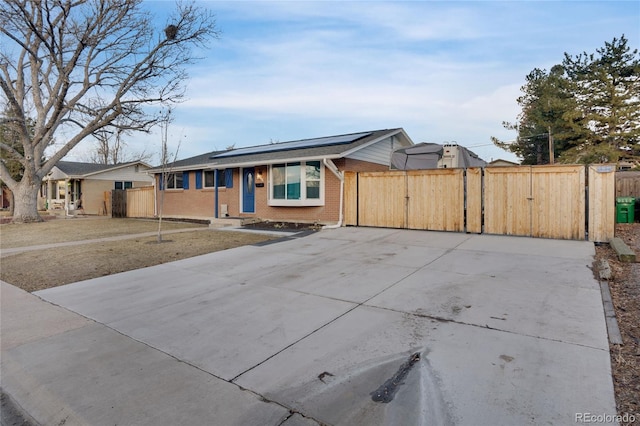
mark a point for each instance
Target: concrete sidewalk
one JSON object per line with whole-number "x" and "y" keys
{"x": 15, "y": 250}
{"x": 349, "y": 326}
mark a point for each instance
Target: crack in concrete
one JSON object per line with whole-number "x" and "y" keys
{"x": 486, "y": 326}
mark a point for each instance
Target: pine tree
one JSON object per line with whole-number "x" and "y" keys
{"x": 607, "y": 86}
{"x": 590, "y": 105}
{"x": 547, "y": 103}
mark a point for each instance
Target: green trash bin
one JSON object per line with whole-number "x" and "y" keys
{"x": 625, "y": 209}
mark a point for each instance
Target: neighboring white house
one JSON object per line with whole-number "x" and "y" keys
{"x": 71, "y": 185}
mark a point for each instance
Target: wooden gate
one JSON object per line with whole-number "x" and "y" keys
{"x": 435, "y": 200}
{"x": 381, "y": 199}
{"x": 535, "y": 201}
{"x": 141, "y": 202}
{"x": 118, "y": 203}
{"x": 420, "y": 199}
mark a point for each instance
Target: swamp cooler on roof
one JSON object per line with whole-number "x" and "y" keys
{"x": 434, "y": 156}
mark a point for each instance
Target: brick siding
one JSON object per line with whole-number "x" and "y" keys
{"x": 200, "y": 203}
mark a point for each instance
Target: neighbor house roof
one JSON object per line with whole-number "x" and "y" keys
{"x": 329, "y": 147}
{"x": 78, "y": 170}
{"x": 501, "y": 162}
{"x": 191, "y": 161}
{"x": 427, "y": 155}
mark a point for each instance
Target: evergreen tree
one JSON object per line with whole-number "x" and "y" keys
{"x": 590, "y": 105}
{"x": 607, "y": 85}
{"x": 547, "y": 103}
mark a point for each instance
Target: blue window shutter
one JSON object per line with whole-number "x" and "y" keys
{"x": 228, "y": 178}
{"x": 199, "y": 174}
{"x": 161, "y": 179}
{"x": 185, "y": 180}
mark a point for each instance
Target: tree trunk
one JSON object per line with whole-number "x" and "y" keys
{"x": 25, "y": 199}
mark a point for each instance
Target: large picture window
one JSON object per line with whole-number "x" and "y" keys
{"x": 296, "y": 184}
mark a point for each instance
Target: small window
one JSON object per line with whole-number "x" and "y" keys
{"x": 313, "y": 179}
{"x": 123, "y": 184}
{"x": 174, "y": 181}
{"x": 209, "y": 176}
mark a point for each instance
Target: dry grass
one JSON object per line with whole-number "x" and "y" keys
{"x": 40, "y": 269}
{"x": 75, "y": 229}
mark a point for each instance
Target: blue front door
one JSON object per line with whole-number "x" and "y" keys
{"x": 248, "y": 190}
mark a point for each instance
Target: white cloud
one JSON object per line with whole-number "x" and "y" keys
{"x": 442, "y": 70}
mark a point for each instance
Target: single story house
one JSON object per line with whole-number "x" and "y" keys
{"x": 290, "y": 181}
{"x": 73, "y": 185}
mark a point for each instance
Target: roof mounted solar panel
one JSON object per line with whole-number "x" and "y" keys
{"x": 300, "y": 144}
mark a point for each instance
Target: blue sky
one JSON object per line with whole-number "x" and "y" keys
{"x": 443, "y": 70}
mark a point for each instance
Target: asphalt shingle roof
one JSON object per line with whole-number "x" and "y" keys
{"x": 74, "y": 168}
{"x": 283, "y": 153}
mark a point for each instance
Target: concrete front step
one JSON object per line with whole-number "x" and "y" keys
{"x": 231, "y": 222}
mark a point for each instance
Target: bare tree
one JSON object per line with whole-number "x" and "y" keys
{"x": 111, "y": 148}
{"x": 167, "y": 162}
{"x": 75, "y": 67}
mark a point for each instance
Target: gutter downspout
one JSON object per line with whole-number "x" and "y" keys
{"x": 340, "y": 175}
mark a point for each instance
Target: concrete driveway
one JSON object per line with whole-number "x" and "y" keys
{"x": 350, "y": 326}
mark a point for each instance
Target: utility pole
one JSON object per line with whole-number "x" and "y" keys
{"x": 551, "y": 147}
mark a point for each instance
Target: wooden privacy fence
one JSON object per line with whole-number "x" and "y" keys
{"x": 536, "y": 201}
{"x": 133, "y": 202}
{"x": 628, "y": 184}
{"x": 141, "y": 202}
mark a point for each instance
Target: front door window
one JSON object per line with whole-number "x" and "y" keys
{"x": 248, "y": 189}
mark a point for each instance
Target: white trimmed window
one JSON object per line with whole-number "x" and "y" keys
{"x": 175, "y": 180}
{"x": 297, "y": 184}
{"x": 209, "y": 178}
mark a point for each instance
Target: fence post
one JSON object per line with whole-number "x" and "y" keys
{"x": 351, "y": 198}
{"x": 474, "y": 197}
{"x": 602, "y": 187}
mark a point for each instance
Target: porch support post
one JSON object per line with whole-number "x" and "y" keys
{"x": 49, "y": 193}
{"x": 215, "y": 185}
{"x": 67, "y": 195}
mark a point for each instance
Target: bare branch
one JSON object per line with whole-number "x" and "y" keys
{"x": 76, "y": 67}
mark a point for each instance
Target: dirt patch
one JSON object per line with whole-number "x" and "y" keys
{"x": 625, "y": 293}
{"x": 283, "y": 226}
{"x": 41, "y": 269}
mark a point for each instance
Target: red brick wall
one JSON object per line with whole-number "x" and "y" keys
{"x": 199, "y": 203}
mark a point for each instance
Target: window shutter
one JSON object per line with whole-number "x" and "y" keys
{"x": 185, "y": 180}
{"x": 161, "y": 180}
{"x": 199, "y": 174}
{"x": 228, "y": 178}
